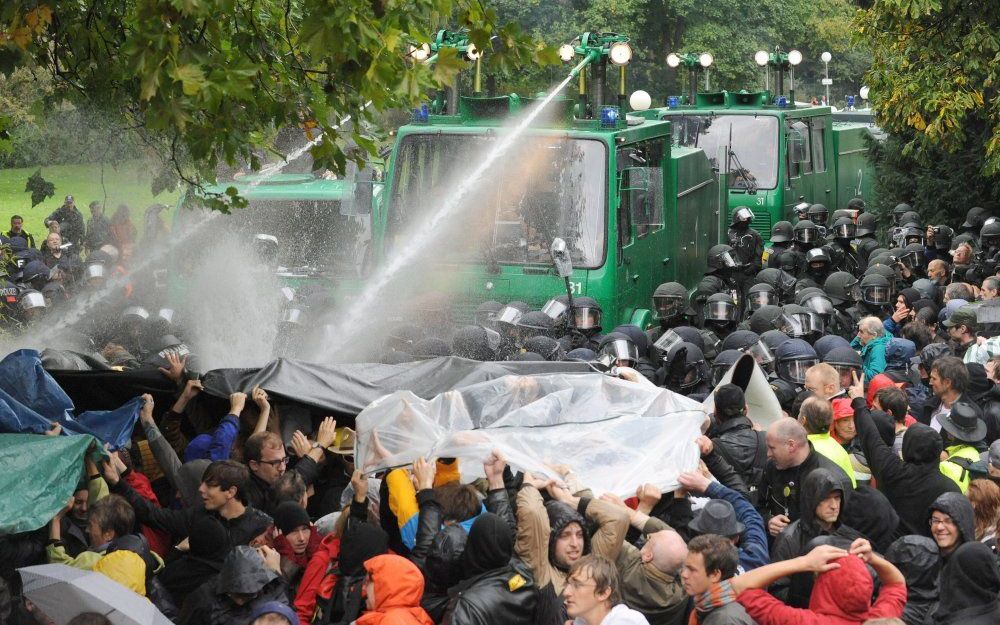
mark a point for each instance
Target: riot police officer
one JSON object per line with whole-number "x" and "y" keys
{"x": 793, "y": 358}
{"x": 843, "y": 255}
{"x": 866, "y": 241}
{"x": 720, "y": 277}
{"x": 721, "y": 314}
{"x": 876, "y": 295}
{"x": 844, "y": 292}
{"x": 781, "y": 240}
{"x": 747, "y": 245}
{"x": 818, "y": 214}
{"x": 818, "y": 265}
{"x": 974, "y": 220}
{"x": 670, "y": 302}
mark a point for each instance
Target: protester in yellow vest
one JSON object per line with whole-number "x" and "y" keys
{"x": 963, "y": 431}
{"x": 816, "y": 415}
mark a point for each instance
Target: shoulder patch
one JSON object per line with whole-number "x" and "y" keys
{"x": 515, "y": 583}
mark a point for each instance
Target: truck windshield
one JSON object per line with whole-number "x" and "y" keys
{"x": 547, "y": 187}
{"x": 754, "y": 140}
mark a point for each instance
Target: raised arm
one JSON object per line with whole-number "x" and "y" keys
{"x": 885, "y": 464}
{"x": 532, "y": 543}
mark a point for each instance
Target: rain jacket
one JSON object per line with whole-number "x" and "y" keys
{"x": 839, "y": 597}
{"x": 969, "y": 586}
{"x": 958, "y": 507}
{"x": 912, "y": 482}
{"x": 126, "y": 568}
{"x": 398, "y": 588}
{"x": 918, "y": 560}
{"x": 792, "y": 541}
{"x": 504, "y": 596}
{"x": 244, "y": 573}
{"x": 872, "y": 355}
{"x": 659, "y": 596}
{"x": 743, "y": 448}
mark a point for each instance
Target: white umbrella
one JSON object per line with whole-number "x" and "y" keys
{"x": 62, "y": 592}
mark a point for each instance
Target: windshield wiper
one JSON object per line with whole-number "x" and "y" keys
{"x": 749, "y": 182}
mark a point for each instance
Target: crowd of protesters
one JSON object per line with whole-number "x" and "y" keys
{"x": 874, "y": 497}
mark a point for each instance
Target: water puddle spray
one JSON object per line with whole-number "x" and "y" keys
{"x": 362, "y": 312}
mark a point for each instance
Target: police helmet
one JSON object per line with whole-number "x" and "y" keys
{"x": 975, "y": 218}
{"x": 774, "y": 338}
{"x": 486, "y": 313}
{"x": 885, "y": 271}
{"x": 913, "y": 256}
{"x": 720, "y": 307}
{"x": 509, "y": 315}
{"x": 794, "y": 357}
{"x": 766, "y": 318}
{"x": 913, "y": 234}
{"x": 825, "y": 344}
{"x": 856, "y": 204}
{"x": 943, "y": 236}
{"x": 844, "y": 228}
{"x": 742, "y": 215}
{"x": 556, "y": 308}
{"x": 94, "y": 272}
{"x": 534, "y": 323}
{"x": 779, "y": 279}
{"x": 135, "y": 313}
{"x": 900, "y": 209}
{"x": 989, "y": 235}
{"x": 722, "y": 363}
{"x": 805, "y": 231}
{"x": 693, "y": 365}
{"x": 910, "y": 219}
{"x": 586, "y": 313}
{"x": 867, "y": 224}
{"x": 761, "y": 294}
{"x": 721, "y": 257}
{"x": 31, "y": 300}
{"x": 748, "y": 341}
{"x": 818, "y": 214}
{"x": 801, "y": 210}
{"x": 670, "y": 300}
{"x": 620, "y": 348}
{"x": 546, "y": 346}
{"x": 781, "y": 232}
{"x": 817, "y": 301}
{"x": 876, "y": 290}
{"x": 801, "y": 322}
{"x": 842, "y": 288}
{"x": 817, "y": 255}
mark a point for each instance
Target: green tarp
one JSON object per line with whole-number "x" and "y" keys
{"x": 38, "y": 474}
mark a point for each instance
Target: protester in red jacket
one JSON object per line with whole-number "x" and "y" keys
{"x": 841, "y": 595}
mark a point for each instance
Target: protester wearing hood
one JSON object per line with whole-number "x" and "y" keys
{"x": 911, "y": 483}
{"x": 822, "y": 500}
{"x": 550, "y": 537}
{"x": 970, "y": 583}
{"x": 903, "y": 312}
{"x": 497, "y": 589}
{"x": 393, "y": 589}
{"x": 952, "y": 522}
{"x": 207, "y": 550}
{"x": 918, "y": 560}
{"x": 842, "y": 592}
{"x": 331, "y": 590}
{"x": 985, "y": 394}
{"x": 245, "y": 581}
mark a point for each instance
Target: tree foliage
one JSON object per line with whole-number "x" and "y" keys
{"x": 208, "y": 82}
{"x": 935, "y": 69}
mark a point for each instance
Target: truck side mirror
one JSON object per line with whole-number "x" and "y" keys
{"x": 560, "y": 258}
{"x": 363, "y": 192}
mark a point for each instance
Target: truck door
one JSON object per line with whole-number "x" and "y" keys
{"x": 628, "y": 270}
{"x": 641, "y": 190}
{"x": 824, "y": 176}
{"x": 798, "y": 164}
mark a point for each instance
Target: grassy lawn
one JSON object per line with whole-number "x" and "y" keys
{"x": 129, "y": 184}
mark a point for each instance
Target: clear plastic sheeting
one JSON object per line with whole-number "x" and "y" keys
{"x": 613, "y": 434}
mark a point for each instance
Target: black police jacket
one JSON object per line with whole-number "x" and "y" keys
{"x": 506, "y": 595}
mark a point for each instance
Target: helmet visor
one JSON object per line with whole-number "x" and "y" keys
{"x": 743, "y": 214}
{"x": 877, "y": 295}
{"x": 621, "y": 350}
{"x": 587, "y": 318}
{"x": 667, "y": 340}
{"x": 846, "y": 373}
{"x": 911, "y": 260}
{"x": 486, "y": 318}
{"x": 719, "y": 372}
{"x": 33, "y": 299}
{"x": 668, "y": 305}
{"x": 726, "y": 260}
{"x": 508, "y": 315}
{"x": 819, "y": 305}
{"x": 786, "y": 281}
{"x": 94, "y": 271}
{"x": 845, "y": 231}
{"x": 291, "y": 316}
{"x": 805, "y": 235}
{"x": 795, "y": 370}
{"x": 760, "y": 298}
{"x": 554, "y": 308}
{"x": 761, "y": 353}
{"x": 720, "y": 311}
{"x": 692, "y": 377}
